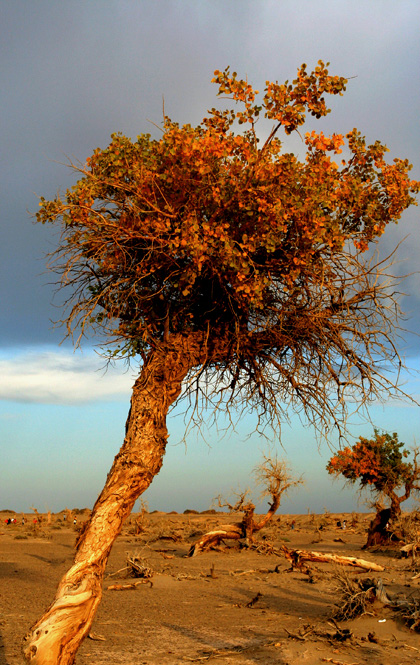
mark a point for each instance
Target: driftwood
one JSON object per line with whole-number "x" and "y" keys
{"x": 296, "y": 557}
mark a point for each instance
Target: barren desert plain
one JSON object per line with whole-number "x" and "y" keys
{"x": 232, "y": 604}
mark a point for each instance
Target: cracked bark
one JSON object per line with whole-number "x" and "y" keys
{"x": 56, "y": 637}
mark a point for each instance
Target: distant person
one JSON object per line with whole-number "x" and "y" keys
{"x": 343, "y": 526}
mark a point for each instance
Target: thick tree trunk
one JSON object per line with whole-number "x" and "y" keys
{"x": 55, "y": 638}
{"x": 378, "y": 533}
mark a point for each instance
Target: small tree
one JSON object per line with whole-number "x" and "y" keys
{"x": 232, "y": 271}
{"x": 380, "y": 464}
{"x": 275, "y": 479}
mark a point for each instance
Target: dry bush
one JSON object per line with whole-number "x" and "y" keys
{"x": 354, "y": 522}
{"x": 409, "y": 611}
{"x": 357, "y": 596}
{"x": 142, "y": 521}
{"x": 39, "y": 516}
{"x": 138, "y": 567}
{"x": 407, "y": 529}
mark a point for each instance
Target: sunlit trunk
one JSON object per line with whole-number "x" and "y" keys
{"x": 56, "y": 637}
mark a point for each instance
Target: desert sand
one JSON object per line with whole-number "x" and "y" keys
{"x": 231, "y": 605}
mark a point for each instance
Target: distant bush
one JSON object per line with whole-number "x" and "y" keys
{"x": 191, "y": 512}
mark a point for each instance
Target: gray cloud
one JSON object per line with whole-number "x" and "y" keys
{"x": 72, "y": 73}
{"x": 50, "y": 377}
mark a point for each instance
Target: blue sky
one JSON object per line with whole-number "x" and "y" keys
{"x": 71, "y": 74}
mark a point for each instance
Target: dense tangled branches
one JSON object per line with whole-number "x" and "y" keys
{"x": 254, "y": 254}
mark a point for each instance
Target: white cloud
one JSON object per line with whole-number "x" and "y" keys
{"x": 52, "y": 377}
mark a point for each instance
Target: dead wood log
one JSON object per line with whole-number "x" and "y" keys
{"x": 215, "y": 537}
{"x": 297, "y": 556}
{"x": 410, "y": 548}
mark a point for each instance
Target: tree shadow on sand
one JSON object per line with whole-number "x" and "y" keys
{"x": 209, "y": 646}
{"x": 3, "y": 659}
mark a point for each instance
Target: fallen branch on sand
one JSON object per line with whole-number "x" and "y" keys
{"x": 336, "y": 662}
{"x": 296, "y": 557}
{"x": 95, "y": 636}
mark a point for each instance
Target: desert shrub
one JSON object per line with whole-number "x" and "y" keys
{"x": 409, "y": 611}
{"x": 356, "y": 596}
{"x": 137, "y": 566}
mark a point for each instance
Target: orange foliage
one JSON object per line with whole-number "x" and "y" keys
{"x": 206, "y": 231}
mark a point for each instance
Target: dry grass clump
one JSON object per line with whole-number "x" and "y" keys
{"x": 142, "y": 520}
{"x": 409, "y": 611}
{"x": 136, "y": 566}
{"x": 357, "y": 596}
{"x": 407, "y": 529}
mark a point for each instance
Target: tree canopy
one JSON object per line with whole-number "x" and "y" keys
{"x": 379, "y": 463}
{"x": 233, "y": 268}
{"x": 211, "y": 233}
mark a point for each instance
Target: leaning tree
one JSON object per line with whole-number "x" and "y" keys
{"x": 236, "y": 273}
{"x": 382, "y": 465}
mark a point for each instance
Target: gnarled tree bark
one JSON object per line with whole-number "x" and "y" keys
{"x": 56, "y": 637}
{"x": 237, "y": 531}
{"x": 274, "y": 476}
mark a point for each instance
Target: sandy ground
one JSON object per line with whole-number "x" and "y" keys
{"x": 198, "y": 609}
